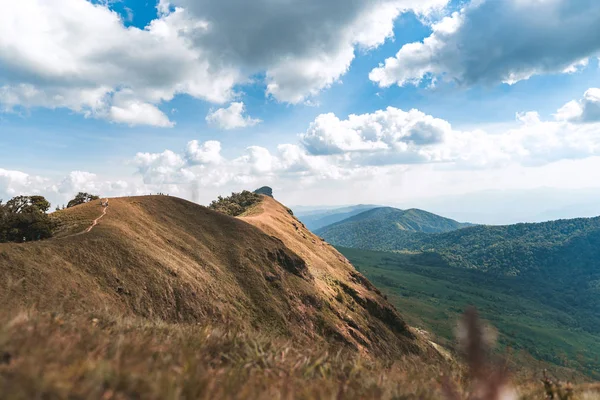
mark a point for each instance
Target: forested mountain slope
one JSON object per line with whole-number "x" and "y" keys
{"x": 386, "y": 228}
{"x": 320, "y": 218}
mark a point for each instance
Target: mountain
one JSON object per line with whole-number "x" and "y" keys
{"x": 161, "y": 284}
{"x": 543, "y": 280}
{"x": 539, "y": 317}
{"x": 386, "y": 228}
{"x": 158, "y": 297}
{"x": 316, "y": 219}
{"x": 163, "y": 257}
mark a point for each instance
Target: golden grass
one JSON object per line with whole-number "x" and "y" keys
{"x": 165, "y": 299}
{"x": 102, "y": 357}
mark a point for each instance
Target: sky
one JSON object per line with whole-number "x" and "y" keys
{"x": 461, "y": 107}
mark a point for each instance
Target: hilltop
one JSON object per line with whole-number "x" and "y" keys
{"x": 386, "y": 228}
{"x": 161, "y": 267}
{"x": 163, "y": 257}
{"x": 157, "y": 297}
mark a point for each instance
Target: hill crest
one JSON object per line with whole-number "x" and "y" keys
{"x": 377, "y": 227}
{"x": 165, "y": 258}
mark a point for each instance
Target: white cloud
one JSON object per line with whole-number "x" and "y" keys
{"x": 393, "y": 136}
{"x": 162, "y": 168}
{"x": 60, "y": 191}
{"x": 136, "y": 113}
{"x": 499, "y": 41}
{"x": 82, "y": 181}
{"x": 52, "y": 57}
{"x": 373, "y": 144}
{"x": 14, "y": 183}
{"x": 390, "y": 130}
{"x": 231, "y": 118}
{"x": 206, "y": 153}
{"x": 585, "y": 110}
{"x": 303, "y": 46}
{"x": 79, "y": 55}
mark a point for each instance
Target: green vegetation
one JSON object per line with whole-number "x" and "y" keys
{"x": 551, "y": 317}
{"x": 24, "y": 218}
{"x": 82, "y": 198}
{"x": 236, "y": 204}
{"x": 386, "y": 228}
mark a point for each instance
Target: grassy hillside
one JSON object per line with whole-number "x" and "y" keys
{"x": 124, "y": 308}
{"x": 386, "y": 228}
{"x": 533, "y": 314}
{"x": 320, "y": 218}
{"x": 166, "y": 258}
{"x": 165, "y": 299}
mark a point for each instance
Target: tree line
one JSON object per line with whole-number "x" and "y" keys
{"x": 25, "y": 218}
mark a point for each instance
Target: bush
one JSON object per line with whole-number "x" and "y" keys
{"x": 236, "y": 204}
{"x": 82, "y": 198}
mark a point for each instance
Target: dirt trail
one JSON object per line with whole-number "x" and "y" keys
{"x": 104, "y": 209}
{"x": 88, "y": 229}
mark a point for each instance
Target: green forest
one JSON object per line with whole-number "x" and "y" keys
{"x": 549, "y": 314}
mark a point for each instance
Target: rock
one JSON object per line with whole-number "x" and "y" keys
{"x": 267, "y": 191}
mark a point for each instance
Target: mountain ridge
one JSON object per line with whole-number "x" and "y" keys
{"x": 320, "y": 218}
{"x": 167, "y": 258}
{"x": 378, "y": 226}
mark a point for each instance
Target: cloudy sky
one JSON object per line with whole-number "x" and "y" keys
{"x": 401, "y": 102}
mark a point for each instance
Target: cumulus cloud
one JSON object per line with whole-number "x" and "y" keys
{"x": 585, "y": 110}
{"x": 370, "y": 144}
{"x": 208, "y": 152}
{"x": 492, "y": 41}
{"x": 202, "y": 163}
{"x": 386, "y": 130}
{"x": 51, "y": 56}
{"x": 163, "y": 168}
{"x": 372, "y": 147}
{"x": 393, "y": 136}
{"x": 231, "y": 118}
{"x": 303, "y": 46}
{"x": 14, "y": 183}
{"x": 59, "y": 191}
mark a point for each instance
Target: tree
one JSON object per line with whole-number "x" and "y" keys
{"x": 82, "y": 198}
{"x": 22, "y": 204}
{"x": 25, "y": 217}
{"x": 236, "y": 204}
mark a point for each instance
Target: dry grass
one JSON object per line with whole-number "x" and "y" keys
{"x": 92, "y": 356}
{"x": 168, "y": 300}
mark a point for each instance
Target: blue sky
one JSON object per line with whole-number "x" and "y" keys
{"x": 329, "y": 102}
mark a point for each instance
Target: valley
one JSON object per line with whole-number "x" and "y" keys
{"x": 537, "y": 283}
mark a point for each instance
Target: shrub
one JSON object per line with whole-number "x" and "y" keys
{"x": 82, "y": 198}
{"x": 236, "y": 204}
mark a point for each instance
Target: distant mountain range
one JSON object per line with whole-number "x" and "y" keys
{"x": 319, "y": 218}
{"x": 386, "y": 228}
{"x": 540, "y": 281}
